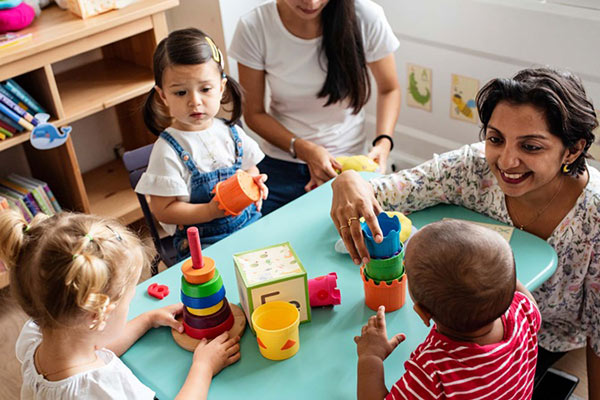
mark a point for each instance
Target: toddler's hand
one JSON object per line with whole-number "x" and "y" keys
{"x": 264, "y": 190}
{"x": 373, "y": 340}
{"x": 166, "y": 317}
{"x": 216, "y": 212}
{"x": 221, "y": 352}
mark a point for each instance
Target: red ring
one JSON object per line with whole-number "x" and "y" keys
{"x": 209, "y": 333}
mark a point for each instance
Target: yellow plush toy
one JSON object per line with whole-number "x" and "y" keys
{"x": 357, "y": 163}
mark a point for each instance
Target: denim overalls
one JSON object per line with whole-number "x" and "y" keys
{"x": 202, "y": 185}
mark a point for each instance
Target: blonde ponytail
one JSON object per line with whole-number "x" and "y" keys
{"x": 13, "y": 229}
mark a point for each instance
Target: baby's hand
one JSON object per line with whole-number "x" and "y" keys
{"x": 216, "y": 212}
{"x": 166, "y": 317}
{"x": 264, "y": 190}
{"x": 373, "y": 340}
{"x": 221, "y": 352}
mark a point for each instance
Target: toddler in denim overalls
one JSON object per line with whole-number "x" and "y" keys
{"x": 195, "y": 150}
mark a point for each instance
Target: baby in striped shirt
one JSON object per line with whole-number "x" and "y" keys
{"x": 483, "y": 343}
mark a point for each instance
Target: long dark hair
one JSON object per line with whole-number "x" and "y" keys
{"x": 347, "y": 76}
{"x": 186, "y": 47}
{"x": 559, "y": 94}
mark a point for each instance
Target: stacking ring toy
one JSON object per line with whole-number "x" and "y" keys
{"x": 203, "y": 290}
{"x": 203, "y": 302}
{"x": 209, "y": 321}
{"x": 206, "y": 311}
{"x": 209, "y": 333}
{"x": 200, "y": 275}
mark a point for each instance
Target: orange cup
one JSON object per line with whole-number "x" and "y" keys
{"x": 391, "y": 295}
{"x": 236, "y": 193}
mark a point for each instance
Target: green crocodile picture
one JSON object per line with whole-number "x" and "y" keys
{"x": 413, "y": 89}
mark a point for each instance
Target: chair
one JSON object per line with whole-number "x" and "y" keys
{"x": 136, "y": 162}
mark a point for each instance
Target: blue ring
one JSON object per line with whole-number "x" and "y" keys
{"x": 203, "y": 302}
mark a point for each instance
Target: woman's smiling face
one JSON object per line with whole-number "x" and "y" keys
{"x": 522, "y": 153}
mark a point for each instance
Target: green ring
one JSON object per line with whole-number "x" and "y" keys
{"x": 384, "y": 269}
{"x": 204, "y": 289}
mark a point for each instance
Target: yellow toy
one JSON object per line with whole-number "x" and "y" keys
{"x": 357, "y": 163}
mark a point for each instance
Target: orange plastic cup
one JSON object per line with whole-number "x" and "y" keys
{"x": 391, "y": 295}
{"x": 236, "y": 193}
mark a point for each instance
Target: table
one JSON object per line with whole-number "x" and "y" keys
{"x": 325, "y": 366}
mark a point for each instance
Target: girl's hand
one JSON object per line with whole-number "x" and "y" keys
{"x": 353, "y": 197}
{"x": 221, "y": 352}
{"x": 321, "y": 164}
{"x": 264, "y": 190}
{"x": 166, "y": 317}
{"x": 215, "y": 211}
{"x": 373, "y": 341}
{"x": 380, "y": 154}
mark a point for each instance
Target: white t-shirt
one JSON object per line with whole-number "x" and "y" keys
{"x": 112, "y": 381}
{"x": 210, "y": 149}
{"x": 295, "y": 75}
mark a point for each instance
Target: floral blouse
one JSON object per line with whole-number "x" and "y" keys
{"x": 569, "y": 300}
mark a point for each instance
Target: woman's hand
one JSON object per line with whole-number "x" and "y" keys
{"x": 219, "y": 353}
{"x": 264, "y": 190}
{"x": 321, "y": 164}
{"x": 353, "y": 197}
{"x": 380, "y": 154}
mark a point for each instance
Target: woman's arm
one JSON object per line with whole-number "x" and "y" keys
{"x": 322, "y": 165}
{"x": 169, "y": 210}
{"x": 388, "y": 106}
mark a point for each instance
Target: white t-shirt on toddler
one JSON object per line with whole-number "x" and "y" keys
{"x": 112, "y": 381}
{"x": 295, "y": 71}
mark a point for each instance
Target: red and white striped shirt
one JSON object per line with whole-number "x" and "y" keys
{"x": 441, "y": 368}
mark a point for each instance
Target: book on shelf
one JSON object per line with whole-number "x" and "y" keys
{"x": 15, "y": 117}
{"x": 13, "y": 98}
{"x": 13, "y": 87}
{"x": 9, "y": 39}
{"x": 37, "y": 191}
{"x": 4, "y": 119}
{"x": 7, "y": 127}
{"x": 16, "y": 202}
{"x": 27, "y": 196}
{"x": 5, "y": 132}
{"x": 48, "y": 193}
{"x": 7, "y": 101}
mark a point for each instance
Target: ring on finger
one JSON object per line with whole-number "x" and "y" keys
{"x": 342, "y": 227}
{"x": 350, "y": 221}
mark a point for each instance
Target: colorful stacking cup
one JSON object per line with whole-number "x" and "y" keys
{"x": 207, "y": 321}
{"x": 390, "y": 294}
{"x": 209, "y": 333}
{"x": 390, "y": 227}
{"x": 385, "y": 269}
{"x": 204, "y": 289}
{"x": 203, "y": 302}
{"x": 276, "y": 325}
{"x": 236, "y": 193}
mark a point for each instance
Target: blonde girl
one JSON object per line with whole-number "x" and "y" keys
{"x": 75, "y": 276}
{"x": 195, "y": 150}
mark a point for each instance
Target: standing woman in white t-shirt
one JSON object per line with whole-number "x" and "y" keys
{"x": 314, "y": 54}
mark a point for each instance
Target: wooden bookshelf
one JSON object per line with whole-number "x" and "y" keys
{"x": 125, "y": 40}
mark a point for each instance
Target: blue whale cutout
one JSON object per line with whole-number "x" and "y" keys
{"x": 46, "y": 136}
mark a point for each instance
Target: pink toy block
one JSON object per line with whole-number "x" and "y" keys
{"x": 322, "y": 291}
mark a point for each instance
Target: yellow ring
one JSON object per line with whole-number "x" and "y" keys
{"x": 206, "y": 311}
{"x": 350, "y": 221}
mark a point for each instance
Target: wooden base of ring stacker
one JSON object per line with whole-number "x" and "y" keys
{"x": 239, "y": 325}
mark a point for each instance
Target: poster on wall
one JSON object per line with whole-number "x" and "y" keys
{"x": 462, "y": 98}
{"x": 594, "y": 150}
{"x": 418, "y": 87}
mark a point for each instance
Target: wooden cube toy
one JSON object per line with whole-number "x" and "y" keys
{"x": 271, "y": 273}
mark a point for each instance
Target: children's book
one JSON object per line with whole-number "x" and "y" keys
{"x": 12, "y": 39}
{"x": 49, "y": 194}
{"x": 10, "y": 122}
{"x": 13, "y": 98}
{"x": 28, "y": 197}
{"x": 36, "y": 191}
{"x": 18, "y": 200}
{"x": 7, "y": 127}
{"x": 17, "y": 110}
{"x": 14, "y": 88}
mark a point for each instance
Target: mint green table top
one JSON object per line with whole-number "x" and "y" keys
{"x": 325, "y": 366}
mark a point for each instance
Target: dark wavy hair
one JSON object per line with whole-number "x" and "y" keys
{"x": 347, "y": 75}
{"x": 185, "y": 47}
{"x": 559, "y": 94}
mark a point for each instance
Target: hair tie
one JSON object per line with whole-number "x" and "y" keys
{"x": 27, "y": 228}
{"x": 75, "y": 256}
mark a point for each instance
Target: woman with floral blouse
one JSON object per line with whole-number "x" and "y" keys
{"x": 530, "y": 172}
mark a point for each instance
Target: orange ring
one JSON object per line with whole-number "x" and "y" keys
{"x": 201, "y": 275}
